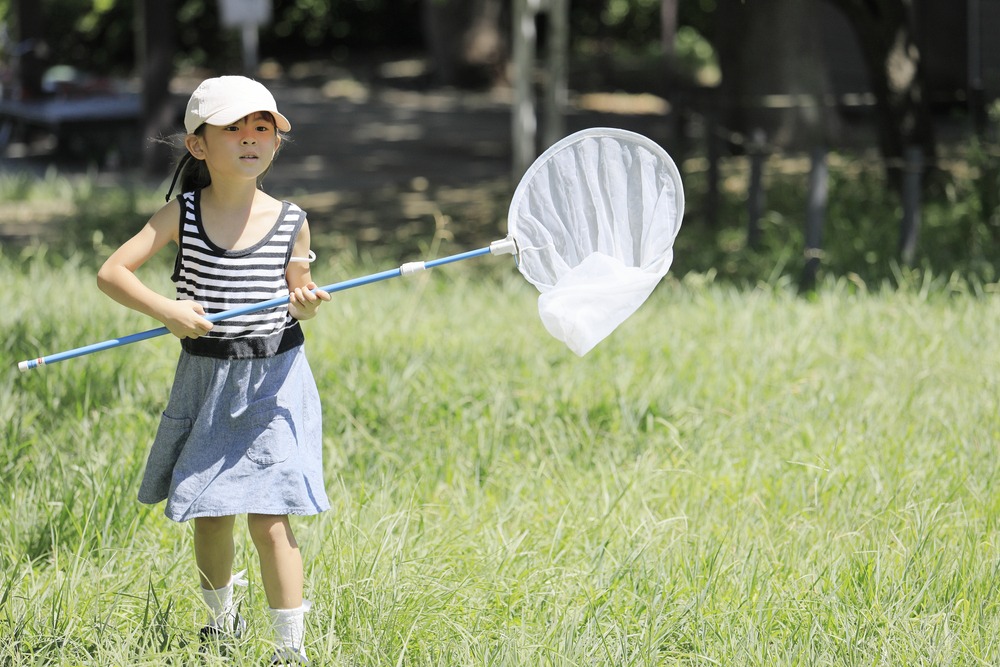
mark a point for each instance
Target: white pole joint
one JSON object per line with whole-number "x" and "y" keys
{"x": 411, "y": 268}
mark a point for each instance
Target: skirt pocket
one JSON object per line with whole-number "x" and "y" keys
{"x": 273, "y": 439}
{"x": 171, "y": 436}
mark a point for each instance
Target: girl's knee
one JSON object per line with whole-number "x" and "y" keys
{"x": 269, "y": 531}
{"x": 214, "y": 525}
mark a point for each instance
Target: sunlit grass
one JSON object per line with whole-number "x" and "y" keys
{"x": 734, "y": 477}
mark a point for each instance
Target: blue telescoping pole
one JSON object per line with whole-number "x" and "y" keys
{"x": 496, "y": 248}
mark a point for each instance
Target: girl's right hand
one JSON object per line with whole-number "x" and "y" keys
{"x": 185, "y": 319}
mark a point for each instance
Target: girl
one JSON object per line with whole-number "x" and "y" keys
{"x": 242, "y": 432}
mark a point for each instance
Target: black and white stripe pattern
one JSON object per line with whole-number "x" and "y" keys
{"x": 221, "y": 279}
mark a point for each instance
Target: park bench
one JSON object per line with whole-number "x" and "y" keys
{"x": 102, "y": 127}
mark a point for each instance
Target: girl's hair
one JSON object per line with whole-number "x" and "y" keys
{"x": 193, "y": 174}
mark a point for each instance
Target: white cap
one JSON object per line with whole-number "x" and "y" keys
{"x": 225, "y": 99}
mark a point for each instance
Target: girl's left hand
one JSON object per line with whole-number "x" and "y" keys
{"x": 303, "y": 302}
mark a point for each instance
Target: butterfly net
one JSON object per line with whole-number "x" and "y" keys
{"x": 594, "y": 219}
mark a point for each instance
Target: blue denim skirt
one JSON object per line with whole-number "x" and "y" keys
{"x": 239, "y": 436}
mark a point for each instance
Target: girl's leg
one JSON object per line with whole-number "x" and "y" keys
{"x": 281, "y": 574}
{"x": 214, "y": 553}
{"x": 280, "y": 560}
{"x": 214, "y": 550}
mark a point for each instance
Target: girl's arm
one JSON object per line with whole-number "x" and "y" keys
{"x": 117, "y": 278}
{"x": 302, "y": 302}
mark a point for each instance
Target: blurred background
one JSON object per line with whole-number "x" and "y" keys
{"x": 818, "y": 139}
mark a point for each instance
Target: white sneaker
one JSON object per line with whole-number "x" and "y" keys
{"x": 213, "y": 633}
{"x": 288, "y": 656}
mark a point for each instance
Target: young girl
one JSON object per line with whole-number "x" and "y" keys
{"x": 241, "y": 432}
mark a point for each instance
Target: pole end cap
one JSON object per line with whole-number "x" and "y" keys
{"x": 505, "y": 246}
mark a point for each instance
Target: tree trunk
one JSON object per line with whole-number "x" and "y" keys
{"x": 31, "y": 48}
{"x": 885, "y": 31}
{"x": 466, "y": 39}
{"x": 772, "y": 72}
{"x": 157, "y": 45}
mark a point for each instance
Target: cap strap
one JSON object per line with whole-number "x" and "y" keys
{"x": 177, "y": 173}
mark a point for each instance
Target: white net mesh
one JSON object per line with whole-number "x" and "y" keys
{"x": 594, "y": 219}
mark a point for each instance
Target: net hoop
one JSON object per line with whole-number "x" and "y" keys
{"x": 594, "y": 219}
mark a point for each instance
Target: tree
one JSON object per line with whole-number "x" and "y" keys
{"x": 885, "y": 31}
{"x": 466, "y": 40}
{"x": 30, "y": 47}
{"x": 157, "y": 58}
{"x": 773, "y": 75}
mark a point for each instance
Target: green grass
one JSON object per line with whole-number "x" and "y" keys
{"x": 734, "y": 477}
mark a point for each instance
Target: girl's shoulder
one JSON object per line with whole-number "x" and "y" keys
{"x": 167, "y": 217}
{"x": 268, "y": 205}
{"x": 265, "y": 199}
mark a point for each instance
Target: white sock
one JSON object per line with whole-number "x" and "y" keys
{"x": 221, "y": 609}
{"x": 289, "y": 628}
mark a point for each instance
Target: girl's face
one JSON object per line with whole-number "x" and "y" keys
{"x": 243, "y": 150}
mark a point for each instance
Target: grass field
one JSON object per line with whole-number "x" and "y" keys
{"x": 735, "y": 477}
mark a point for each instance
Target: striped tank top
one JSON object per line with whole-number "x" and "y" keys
{"x": 221, "y": 279}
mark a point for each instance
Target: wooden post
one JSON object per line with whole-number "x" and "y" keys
{"x": 524, "y": 118}
{"x": 524, "y": 123}
{"x": 557, "y": 57}
{"x": 246, "y": 16}
{"x": 251, "y": 41}
{"x": 974, "y": 70}
{"x": 755, "y": 195}
{"x": 913, "y": 172}
{"x": 713, "y": 153}
{"x": 675, "y": 88}
{"x": 819, "y": 178}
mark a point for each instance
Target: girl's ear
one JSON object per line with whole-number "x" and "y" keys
{"x": 195, "y": 146}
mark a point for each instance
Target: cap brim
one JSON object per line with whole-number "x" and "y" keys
{"x": 233, "y": 114}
